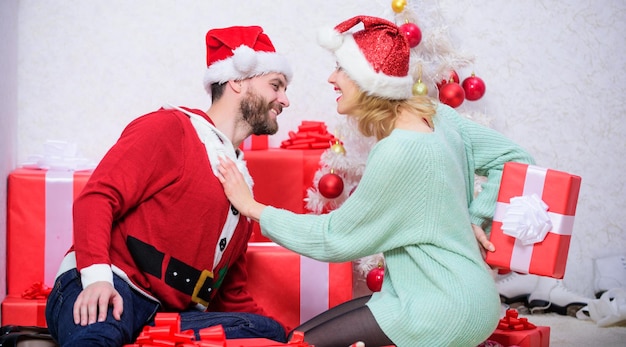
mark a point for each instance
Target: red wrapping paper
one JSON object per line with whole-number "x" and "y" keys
{"x": 281, "y": 179}
{"x": 538, "y": 337}
{"x": 559, "y": 190}
{"x": 166, "y": 332}
{"x": 292, "y": 288}
{"x": 39, "y": 224}
{"x": 19, "y": 311}
{"x": 310, "y": 135}
{"x": 255, "y": 143}
{"x": 514, "y": 330}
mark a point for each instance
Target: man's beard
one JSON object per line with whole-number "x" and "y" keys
{"x": 255, "y": 111}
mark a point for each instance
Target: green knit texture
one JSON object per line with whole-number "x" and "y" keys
{"x": 411, "y": 204}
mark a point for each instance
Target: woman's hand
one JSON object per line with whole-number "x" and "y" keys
{"x": 237, "y": 190}
{"x": 483, "y": 242}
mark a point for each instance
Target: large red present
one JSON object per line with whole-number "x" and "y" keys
{"x": 19, "y": 311}
{"x": 39, "y": 224}
{"x": 293, "y": 288}
{"x": 281, "y": 178}
{"x": 534, "y": 219}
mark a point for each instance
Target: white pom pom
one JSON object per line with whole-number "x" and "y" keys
{"x": 329, "y": 38}
{"x": 244, "y": 59}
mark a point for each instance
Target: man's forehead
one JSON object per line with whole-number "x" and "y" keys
{"x": 276, "y": 76}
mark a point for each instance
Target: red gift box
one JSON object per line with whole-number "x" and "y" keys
{"x": 517, "y": 331}
{"x": 558, "y": 192}
{"x": 537, "y": 337}
{"x": 166, "y": 332}
{"x": 293, "y": 288}
{"x": 282, "y": 178}
{"x": 513, "y": 330}
{"x": 39, "y": 224}
{"x": 18, "y": 311}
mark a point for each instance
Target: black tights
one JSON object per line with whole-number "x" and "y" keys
{"x": 344, "y": 325}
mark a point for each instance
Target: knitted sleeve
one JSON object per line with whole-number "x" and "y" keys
{"x": 487, "y": 151}
{"x": 392, "y": 198}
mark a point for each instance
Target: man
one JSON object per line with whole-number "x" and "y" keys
{"x": 153, "y": 230}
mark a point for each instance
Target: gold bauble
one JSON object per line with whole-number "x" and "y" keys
{"x": 337, "y": 147}
{"x": 420, "y": 88}
{"x": 398, "y": 5}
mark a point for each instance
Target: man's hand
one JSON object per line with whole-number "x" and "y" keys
{"x": 93, "y": 302}
{"x": 483, "y": 242}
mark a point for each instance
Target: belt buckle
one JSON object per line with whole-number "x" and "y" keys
{"x": 196, "y": 290}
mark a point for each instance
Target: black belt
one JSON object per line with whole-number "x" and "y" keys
{"x": 178, "y": 275}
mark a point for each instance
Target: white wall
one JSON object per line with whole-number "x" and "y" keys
{"x": 553, "y": 72}
{"x": 8, "y": 115}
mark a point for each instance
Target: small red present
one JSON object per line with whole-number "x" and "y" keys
{"x": 20, "y": 311}
{"x": 533, "y": 221}
{"x": 39, "y": 224}
{"x": 292, "y": 288}
{"x": 514, "y": 330}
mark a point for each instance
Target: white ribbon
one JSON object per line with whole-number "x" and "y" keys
{"x": 59, "y": 155}
{"x": 59, "y": 198}
{"x": 314, "y": 288}
{"x": 527, "y": 219}
{"x": 609, "y": 309}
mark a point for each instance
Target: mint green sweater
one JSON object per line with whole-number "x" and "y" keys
{"x": 412, "y": 205}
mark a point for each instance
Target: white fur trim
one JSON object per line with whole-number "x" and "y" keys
{"x": 329, "y": 38}
{"x": 246, "y": 63}
{"x": 352, "y": 60}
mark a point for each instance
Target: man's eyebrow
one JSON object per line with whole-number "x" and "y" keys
{"x": 280, "y": 82}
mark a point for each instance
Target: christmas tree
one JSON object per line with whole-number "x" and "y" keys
{"x": 434, "y": 66}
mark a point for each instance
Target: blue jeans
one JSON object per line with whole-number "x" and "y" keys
{"x": 139, "y": 311}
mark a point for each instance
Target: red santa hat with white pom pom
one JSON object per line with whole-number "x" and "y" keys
{"x": 376, "y": 57}
{"x": 240, "y": 52}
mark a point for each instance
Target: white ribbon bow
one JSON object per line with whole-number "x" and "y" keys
{"x": 527, "y": 219}
{"x": 60, "y": 156}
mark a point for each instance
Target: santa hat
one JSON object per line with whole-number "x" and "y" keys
{"x": 376, "y": 58}
{"x": 239, "y": 52}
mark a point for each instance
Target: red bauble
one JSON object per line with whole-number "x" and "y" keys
{"x": 453, "y": 77}
{"x": 451, "y": 94}
{"x": 374, "y": 279}
{"x": 412, "y": 33}
{"x": 474, "y": 87}
{"x": 330, "y": 185}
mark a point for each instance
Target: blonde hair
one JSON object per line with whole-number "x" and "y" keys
{"x": 377, "y": 116}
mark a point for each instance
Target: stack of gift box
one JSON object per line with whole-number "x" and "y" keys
{"x": 290, "y": 287}
{"x": 39, "y": 232}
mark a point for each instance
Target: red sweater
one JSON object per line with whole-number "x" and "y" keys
{"x": 152, "y": 204}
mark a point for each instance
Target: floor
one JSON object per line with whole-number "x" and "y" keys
{"x": 567, "y": 331}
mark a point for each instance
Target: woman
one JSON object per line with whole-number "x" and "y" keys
{"x": 411, "y": 204}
